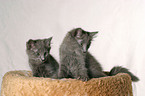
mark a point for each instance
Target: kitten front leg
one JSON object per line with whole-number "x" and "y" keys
{"x": 36, "y": 74}
{"x": 82, "y": 74}
{"x": 62, "y": 73}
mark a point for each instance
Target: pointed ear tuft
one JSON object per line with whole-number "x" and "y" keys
{"x": 92, "y": 34}
{"x": 48, "y": 41}
{"x": 50, "y": 38}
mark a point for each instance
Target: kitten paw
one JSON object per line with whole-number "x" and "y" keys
{"x": 83, "y": 78}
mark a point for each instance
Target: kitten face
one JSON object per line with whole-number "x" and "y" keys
{"x": 38, "y": 50}
{"x": 83, "y": 38}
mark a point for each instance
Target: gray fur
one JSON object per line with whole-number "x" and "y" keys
{"x": 94, "y": 67}
{"x": 118, "y": 69}
{"x": 40, "y": 61}
{"x": 74, "y": 62}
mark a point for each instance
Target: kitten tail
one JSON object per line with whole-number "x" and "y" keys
{"x": 118, "y": 69}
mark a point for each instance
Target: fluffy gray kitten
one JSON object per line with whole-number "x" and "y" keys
{"x": 40, "y": 60}
{"x": 74, "y": 58}
{"x": 76, "y": 62}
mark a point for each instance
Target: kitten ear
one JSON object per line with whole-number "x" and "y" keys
{"x": 77, "y": 32}
{"x": 48, "y": 41}
{"x": 31, "y": 44}
{"x": 50, "y": 38}
{"x": 92, "y": 34}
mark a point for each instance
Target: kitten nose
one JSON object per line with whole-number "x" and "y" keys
{"x": 42, "y": 58}
{"x": 84, "y": 49}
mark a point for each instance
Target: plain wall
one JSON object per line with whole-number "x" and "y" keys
{"x": 121, "y": 26}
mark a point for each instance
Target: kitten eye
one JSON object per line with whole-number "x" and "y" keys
{"x": 38, "y": 54}
{"x": 81, "y": 43}
{"x": 45, "y": 53}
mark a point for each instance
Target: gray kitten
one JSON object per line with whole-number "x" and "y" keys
{"x": 74, "y": 58}
{"x": 76, "y": 62}
{"x": 40, "y": 61}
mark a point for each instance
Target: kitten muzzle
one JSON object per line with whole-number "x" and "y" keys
{"x": 84, "y": 49}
